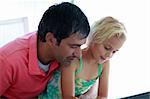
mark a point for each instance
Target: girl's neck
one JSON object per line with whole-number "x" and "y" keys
{"x": 88, "y": 57}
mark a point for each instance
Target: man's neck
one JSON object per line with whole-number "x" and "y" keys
{"x": 43, "y": 52}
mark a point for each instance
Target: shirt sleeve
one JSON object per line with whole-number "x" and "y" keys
{"x": 5, "y": 75}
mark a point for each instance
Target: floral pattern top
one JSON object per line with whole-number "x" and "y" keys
{"x": 53, "y": 90}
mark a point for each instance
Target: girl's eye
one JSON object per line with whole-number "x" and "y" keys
{"x": 114, "y": 52}
{"x": 107, "y": 48}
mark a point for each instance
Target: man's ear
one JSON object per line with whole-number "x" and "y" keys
{"x": 50, "y": 39}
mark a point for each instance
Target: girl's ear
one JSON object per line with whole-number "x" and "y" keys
{"x": 50, "y": 39}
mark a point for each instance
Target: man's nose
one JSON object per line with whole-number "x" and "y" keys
{"x": 77, "y": 52}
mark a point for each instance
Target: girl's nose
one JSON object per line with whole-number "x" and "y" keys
{"x": 108, "y": 54}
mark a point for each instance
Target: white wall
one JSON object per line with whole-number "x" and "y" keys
{"x": 33, "y": 9}
{"x": 130, "y": 68}
{"x": 14, "y": 9}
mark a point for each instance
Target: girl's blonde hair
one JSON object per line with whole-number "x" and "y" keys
{"x": 104, "y": 29}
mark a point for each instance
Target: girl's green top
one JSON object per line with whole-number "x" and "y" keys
{"x": 53, "y": 90}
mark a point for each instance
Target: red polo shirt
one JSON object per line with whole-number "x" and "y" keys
{"x": 20, "y": 75}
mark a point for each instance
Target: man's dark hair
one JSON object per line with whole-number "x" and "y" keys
{"x": 63, "y": 20}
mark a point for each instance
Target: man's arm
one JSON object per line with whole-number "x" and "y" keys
{"x": 5, "y": 75}
{"x": 67, "y": 82}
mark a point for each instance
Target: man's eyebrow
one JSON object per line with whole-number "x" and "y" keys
{"x": 75, "y": 45}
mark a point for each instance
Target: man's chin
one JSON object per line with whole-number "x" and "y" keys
{"x": 66, "y": 63}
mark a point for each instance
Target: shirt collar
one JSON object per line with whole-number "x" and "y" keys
{"x": 34, "y": 68}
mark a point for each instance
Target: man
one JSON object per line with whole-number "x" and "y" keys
{"x": 27, "y": 62}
